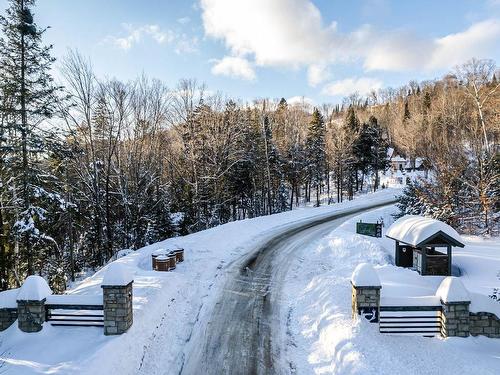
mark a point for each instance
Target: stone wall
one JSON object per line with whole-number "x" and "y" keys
{"x": 31, "y": 315}
{"x": 7, "y": 317}
{"x": 117, "y": 305}
{"x": 485, "y": 324}
{"x": 455, "y": 319}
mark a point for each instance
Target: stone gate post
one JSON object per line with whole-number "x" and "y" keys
{"x": 117, "y": 299}
{"x": 366, "y": 293}
{"x": 31, "y": 304}
{"x": 455, "y": 301}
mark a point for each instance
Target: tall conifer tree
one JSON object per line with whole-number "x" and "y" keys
{"x": 25, "y": 74}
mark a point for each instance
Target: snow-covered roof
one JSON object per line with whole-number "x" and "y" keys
{"x": 34, "y": 288}
{"x": 365, "y": 275}
{"x": 418, "y": 230}
{"x": 452, "y": 289}
{"x": 398, "y": 159}
{"x": 117, "y": 274}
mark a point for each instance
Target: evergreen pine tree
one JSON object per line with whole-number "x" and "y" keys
{"x": 378, "y": 150}
{"x": 25, "y": 73}
{"x": 406, "y": 112}
{"x": 353, "y": 127}
{"x": 315, "y": 150}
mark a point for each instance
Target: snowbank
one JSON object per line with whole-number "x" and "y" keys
{"x": 452, "y": 290}
{"x": 414, "y": 229}
{"x": 35, "y": 288}
{"x": 167, "y": 305}
{"x": 365, "y": 275}
{"x": 117, "y": 274}
{"x": 8, "y": 298}
{"x": 323, "y": 338}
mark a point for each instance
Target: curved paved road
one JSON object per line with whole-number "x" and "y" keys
{"x": 245, "y": 334}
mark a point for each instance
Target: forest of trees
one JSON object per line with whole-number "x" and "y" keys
{"x": 91, "y": 166}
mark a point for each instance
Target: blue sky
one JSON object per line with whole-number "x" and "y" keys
{"x": 320, "y": 49}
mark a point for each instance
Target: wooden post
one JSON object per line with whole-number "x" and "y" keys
{"x": 424, "y": 261}
{"x": 448, "y": 250}
{"x": 396, "y": 257}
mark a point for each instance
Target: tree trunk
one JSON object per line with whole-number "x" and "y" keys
{"x": 24, "y": 146}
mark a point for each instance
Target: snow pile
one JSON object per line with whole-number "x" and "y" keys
{"x": 414, "y": 229}
{"x": 410, "y": 301}
{"x": 324, "y": 339}
{"x": 8, "y": 298}
{"x": 452, "y": 290}
{"x": 161, "y": 253}
{"x": 35, "y": 288}
{"x": 117, "y": 274}
{"x": 365, "y": 275}
{"x": 479, "y": 262}
{"x": 69, "y": 299}
{"x": 167, "y": 305}
{"x": 482, "y": 303}
{"x": 123, "y": 253}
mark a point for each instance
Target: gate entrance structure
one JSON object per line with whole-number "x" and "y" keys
{"x": 420, "y": 316}
{"x": 424, "y": 244}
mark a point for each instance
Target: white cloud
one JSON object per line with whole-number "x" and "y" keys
{"x": 136, "y": 35}
{"x": 318, "y": 73}
{"x": 479, "y": 40}
{"x": 235, "y": 67}
{"x": 362, "y": 86}
{"x": 278, "y": 32}
{"x": 186, "y": 44}
{"x": 183, "y": 20}
{"x": 294, "y": 100}
{"x": 292, "y": 33}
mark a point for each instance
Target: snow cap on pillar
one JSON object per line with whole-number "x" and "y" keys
{"x": 452, "y": 290}
{"x": 365, "y": 275}
{"x": 117, "y": 274}
{"x": 34, "y": 288}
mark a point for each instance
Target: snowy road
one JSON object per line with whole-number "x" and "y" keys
{"x": 247, "y": 329}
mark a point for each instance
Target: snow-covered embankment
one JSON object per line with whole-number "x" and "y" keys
{"x": 166, "y": 305}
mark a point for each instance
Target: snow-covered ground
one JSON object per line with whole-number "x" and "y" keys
{"x": 325, "y": 340}
{"x": 321, "y": 335}
{"x": 166, "y": 305}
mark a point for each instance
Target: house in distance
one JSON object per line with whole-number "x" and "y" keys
{"x": 424, "y": 244}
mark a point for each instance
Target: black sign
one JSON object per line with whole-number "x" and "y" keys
{"x": 369, "y": 313}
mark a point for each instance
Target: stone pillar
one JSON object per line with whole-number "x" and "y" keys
{"x": 31, "y": 304}
{"x": 30, "y": 315}
{"x": 366, "y": 293}
{"x": 117, "y": 300}
{"x": 455, "y": 319}
{"x": 455, "y": 301}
